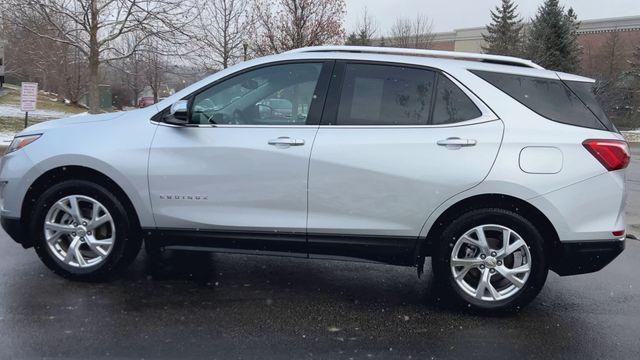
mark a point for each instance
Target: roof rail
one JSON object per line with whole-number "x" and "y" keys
{"x": 496, "y": 59}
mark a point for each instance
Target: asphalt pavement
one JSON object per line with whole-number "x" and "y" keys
{"x": 195, "y": 305}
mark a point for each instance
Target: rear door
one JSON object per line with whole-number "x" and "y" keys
{"x": 395, "y": 142}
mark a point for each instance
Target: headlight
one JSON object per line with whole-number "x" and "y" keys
{"x": 21, "y": 141}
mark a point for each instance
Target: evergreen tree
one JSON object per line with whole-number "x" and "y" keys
{"x": 552, "y": 40}
{"x": 574, "y": 49}
{"x": 504, "y": 34}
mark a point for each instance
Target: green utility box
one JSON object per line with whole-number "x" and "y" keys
{"x": 105, "y": 97}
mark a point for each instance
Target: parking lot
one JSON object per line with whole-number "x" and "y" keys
{"x": 231, "y": 306}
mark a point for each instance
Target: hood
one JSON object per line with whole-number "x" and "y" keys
{"x": 71, "y": 120}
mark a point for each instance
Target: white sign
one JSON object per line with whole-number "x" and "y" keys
{"x": 28, "y": 96}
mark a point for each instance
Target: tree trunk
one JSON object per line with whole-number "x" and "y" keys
{"x": 156, "y": 79}
{"x": 93, "y": 96}
{"x": 136, "y": 95}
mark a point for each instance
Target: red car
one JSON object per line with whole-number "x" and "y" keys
{"x": 145, "y": 101}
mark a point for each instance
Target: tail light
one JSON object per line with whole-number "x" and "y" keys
{"x": 612, "y": 154}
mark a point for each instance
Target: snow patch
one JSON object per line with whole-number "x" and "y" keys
{"x": 14, "y": 111}
{"x": 6, "y": 138}
{"x": 632, "y": 136}
{"x": 79, "y": 114}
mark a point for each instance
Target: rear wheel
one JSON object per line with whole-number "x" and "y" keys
{"x": 82, "y": 231}
{"x": 491, "y": 259}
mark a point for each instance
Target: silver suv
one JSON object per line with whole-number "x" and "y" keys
{"x": 497, "y": 169}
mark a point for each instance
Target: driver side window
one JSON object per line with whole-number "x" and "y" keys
{"x": 273, "y": 95}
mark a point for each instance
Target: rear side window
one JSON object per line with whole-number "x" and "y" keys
{"x": 452, "y": 105}
{"x": 395, "y": 95}
{"x": 385, "y": 95}
{"x": 547, "y": 97}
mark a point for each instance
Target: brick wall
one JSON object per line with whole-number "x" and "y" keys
{"x": 594, "y": 44}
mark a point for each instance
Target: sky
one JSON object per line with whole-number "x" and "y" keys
{"x": 448, "y": 15}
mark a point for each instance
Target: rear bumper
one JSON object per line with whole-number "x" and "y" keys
{"x": 14, "y": 228}
{"x": 581, "y": 257}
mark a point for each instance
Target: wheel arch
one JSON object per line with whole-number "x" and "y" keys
{"x": 74, "y": 172}
{"x": 503, "y": 201}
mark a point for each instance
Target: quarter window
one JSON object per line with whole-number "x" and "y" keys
{"x": 550, "y": 98}
{"x": 452, "y": 104}
{"x": 274, "y": 95}
{"x": 584, "y": 90}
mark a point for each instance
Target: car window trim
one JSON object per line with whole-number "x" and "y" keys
{"x": 332, "y": 100}
{"x": 325, "y": 71}
{"x": 316, "y": 108}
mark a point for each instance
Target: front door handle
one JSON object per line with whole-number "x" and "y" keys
{"x": 456, "y": 142}
{"x": 285, "y": 142}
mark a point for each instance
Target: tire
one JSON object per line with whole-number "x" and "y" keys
{"x": 491, "y": 262}
{"x": 101, "y": 259}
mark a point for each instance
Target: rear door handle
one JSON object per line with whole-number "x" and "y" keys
{"x": 456, "y": 142}
{"x": 285, "y": 142}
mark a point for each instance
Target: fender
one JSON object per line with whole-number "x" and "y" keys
{"x": 134, "y": 185}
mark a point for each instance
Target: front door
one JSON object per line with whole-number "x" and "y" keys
{"x": 242, "y": 162}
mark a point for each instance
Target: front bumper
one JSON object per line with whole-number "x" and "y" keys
{"x": 581, "y": 257}
{"x": 14, "y": 228}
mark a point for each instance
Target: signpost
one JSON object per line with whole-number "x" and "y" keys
{"x": 28, "y": 99}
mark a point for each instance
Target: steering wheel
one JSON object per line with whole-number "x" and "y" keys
{"x": 237, "y": 118}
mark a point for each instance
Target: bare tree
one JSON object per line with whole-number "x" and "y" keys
{"x": 283, "y": 25}
{"x": 154, "y": 70}
{"x": 400, "y": 34}
{"x": 224, "y": 26}
{"x": 611, "y": 57}
{"x": 95, "y": 27}
{"x": 634, "y": 74}
{"x": 131, "y": 70}
{"x": 365, "y": 32}
{"x": 30, "y": 57}
{"x": 412, "y": 32}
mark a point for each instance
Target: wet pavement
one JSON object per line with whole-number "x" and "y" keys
{"x": 231, "y": 306}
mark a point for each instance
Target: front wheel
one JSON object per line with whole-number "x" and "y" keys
{"x": 491, "y": 259}
{"x": 82, "y": 231}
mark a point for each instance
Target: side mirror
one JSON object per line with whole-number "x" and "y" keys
{"x": 179, "y": 112}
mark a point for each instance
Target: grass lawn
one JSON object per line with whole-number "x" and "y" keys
{"x": 45, "y": 102}
{"x": 12, "y": 120}
{"x": 11, "y": 124}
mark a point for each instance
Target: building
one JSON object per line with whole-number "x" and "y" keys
{"x": 593, "y": 34}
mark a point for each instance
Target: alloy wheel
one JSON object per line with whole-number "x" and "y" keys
{"x": 490, "y": 262}
{"x": 79, "y": 231}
